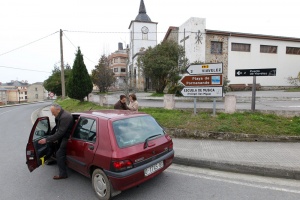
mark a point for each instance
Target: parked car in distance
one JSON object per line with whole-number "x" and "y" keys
{"x": 117, "y": 149}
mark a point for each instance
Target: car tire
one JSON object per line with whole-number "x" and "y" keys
{"x": 101, "y": 185}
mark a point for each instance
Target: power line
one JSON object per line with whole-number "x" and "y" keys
{"x": 25, "y": 69}
{"x": 28, "y": 44}
{"x": 108, "y": 32}
{"x": 76, "y": 49}
{"x": 70, "y": 41}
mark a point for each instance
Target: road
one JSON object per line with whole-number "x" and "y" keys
{"x": 177, "y": 182}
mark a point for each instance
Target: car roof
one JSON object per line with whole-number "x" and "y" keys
{"x": 111, "y": 114}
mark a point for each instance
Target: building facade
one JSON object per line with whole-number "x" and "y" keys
{"x": 36, "y": 92}
{"x": 118, "y": 64}
{"x": 240, "y": 51}
{"x": 16, "y": 91}
{"x": 3, "y": 96}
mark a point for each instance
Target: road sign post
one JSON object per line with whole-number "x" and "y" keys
{"x": 209, "y": 68}
{"x": 202, "y": 91}
{"x": 202, "y": 80}
{"x": 254, "y": 73}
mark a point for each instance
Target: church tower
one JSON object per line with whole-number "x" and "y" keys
{"x": 143, "y": 34}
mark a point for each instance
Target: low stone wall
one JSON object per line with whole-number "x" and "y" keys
{"x": 196, "y": 134}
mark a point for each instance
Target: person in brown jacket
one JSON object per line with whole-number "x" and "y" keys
{"x": 121, "y": 104}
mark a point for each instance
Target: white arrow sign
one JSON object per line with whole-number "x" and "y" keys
{"x": 202, "y": 91}
{"x": 210, "y": 68}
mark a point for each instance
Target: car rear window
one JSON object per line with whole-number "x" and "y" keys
{"x": 135, "y": 130}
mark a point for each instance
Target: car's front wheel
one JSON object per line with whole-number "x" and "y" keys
{"x": 101, "y": 185}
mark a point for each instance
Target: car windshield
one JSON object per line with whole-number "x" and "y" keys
{"x": 135, "y": 130}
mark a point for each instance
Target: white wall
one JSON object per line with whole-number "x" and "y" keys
{"x": 195, "y": 51}
{"x": 137, "y": 42}
{"x": 136, "y": 36}
{"x": 286, "y": 64}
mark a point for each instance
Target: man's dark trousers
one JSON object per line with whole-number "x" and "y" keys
{"x": 61, "y": 158}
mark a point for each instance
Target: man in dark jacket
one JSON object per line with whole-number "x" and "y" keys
{"x": 121, "y": 104}
{"x": 64, "y": 123}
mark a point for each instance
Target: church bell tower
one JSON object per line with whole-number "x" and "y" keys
{"x": 143, "y": 34}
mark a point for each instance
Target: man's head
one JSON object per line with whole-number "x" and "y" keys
{"x": 123, "y": 98}
{"x": 55, "y": 109}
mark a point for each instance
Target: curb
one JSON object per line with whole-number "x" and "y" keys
{"x": 239, "y": 168}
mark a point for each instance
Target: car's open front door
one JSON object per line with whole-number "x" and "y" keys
{"x": 36, "y": 153}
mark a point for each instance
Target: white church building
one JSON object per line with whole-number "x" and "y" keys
{"x": 143, "y": 34}
{"x": 235, "y": 50}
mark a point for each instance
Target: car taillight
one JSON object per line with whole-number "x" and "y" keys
{"x": 171, "y": 146}
{"x": 122, "y": 165}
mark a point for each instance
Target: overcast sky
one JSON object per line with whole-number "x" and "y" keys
{"x": 29, "y": 30}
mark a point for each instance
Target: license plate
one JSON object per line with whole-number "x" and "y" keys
{"x": 154, "y": 168}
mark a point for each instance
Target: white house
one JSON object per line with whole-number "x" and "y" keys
{"x": 240, "y": 51}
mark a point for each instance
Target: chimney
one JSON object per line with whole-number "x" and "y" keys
{"x": 120, "y": 46}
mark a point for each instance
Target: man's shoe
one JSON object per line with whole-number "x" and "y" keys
{"x": 59, "y": 177}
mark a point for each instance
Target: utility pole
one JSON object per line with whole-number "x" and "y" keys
{"x": 127, "y": 74}
{"x": 63, "y": 90}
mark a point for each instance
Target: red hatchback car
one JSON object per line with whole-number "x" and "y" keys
{"x": 117, "y": 149}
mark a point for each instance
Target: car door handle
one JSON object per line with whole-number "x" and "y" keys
{"x": 91, "y": 147}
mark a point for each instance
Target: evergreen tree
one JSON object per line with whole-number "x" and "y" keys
{"x": 102, "y": 76}
{"x": 79, "y": 83}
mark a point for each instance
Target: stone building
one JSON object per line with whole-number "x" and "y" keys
{"x": 36, "y": 92}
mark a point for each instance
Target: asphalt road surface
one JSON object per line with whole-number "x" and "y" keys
{"x": 177, "y": 182}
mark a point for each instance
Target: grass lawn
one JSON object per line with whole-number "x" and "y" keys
{"x": 247, "y": 122}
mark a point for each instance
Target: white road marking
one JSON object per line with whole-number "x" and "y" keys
{"x": 178, "y": 170}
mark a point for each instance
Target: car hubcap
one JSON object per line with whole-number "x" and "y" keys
{"x": 100, "y": 185}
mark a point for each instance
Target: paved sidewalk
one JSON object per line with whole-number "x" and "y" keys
{"x": 273, "y": 159}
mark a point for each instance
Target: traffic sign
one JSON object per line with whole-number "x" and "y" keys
{"x": 202, "y": 91}
{"x": 202, "y": 80}
{"x": 256, "y": 72}
{"x": 210, "y": 68}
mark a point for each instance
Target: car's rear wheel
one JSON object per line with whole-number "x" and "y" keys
{"x": 101, "y": 185}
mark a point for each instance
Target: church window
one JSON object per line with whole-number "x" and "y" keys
{"x": 145, "y": 36}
